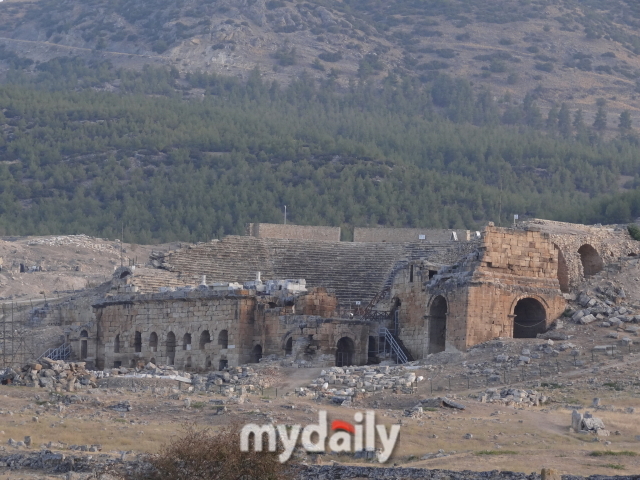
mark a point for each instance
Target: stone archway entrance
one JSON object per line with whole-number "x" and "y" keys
{"x": 530, "y": 318}
{"x": 288, "y": 347}
{"x": 345, "y": 352}
{"x": 591, "y": 261}
{"x": 256, "y": 354}
{"x": 438, "y": 324}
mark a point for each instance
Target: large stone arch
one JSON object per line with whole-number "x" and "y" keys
{"x": 437, "y": 325}
{"x": 591, "y": 260}
{"x": 529, "y": 317}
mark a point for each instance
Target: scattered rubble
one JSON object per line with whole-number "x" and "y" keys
{"x": 512, "y": 396}
{"x": 342, "y": 383}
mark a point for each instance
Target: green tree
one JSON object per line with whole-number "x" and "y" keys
{"x": 625, "y": 121}
{"x": 564, "y": 121}
{"x": 600, "y": 122}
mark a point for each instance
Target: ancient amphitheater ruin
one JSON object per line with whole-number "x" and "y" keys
{"x": 299, "y": 292}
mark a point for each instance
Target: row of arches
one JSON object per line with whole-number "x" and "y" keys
{"x": 171, "y": 343}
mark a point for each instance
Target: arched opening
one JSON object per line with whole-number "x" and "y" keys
{"x": 345, "y": 352}
{"x": 563, "y": 272}
{"x": 530, "y": 318}
{"x": 222, "y": 364}
{"x": 125, "y": 274}
{"x": 171, "y": 348}
{"x": 438, "y": 324}
{"x": 591, "y": 261}
{"x": 256, "y": 354}
{"x": 116, "y": 344}
{"x": 288, "y": 347}
{"x": 205, "y": 338}
{"x": 137, "y": 342}
{"x": 186, "y": 341}
{"x": 223, "y": 339}
{"x": 207, "y": 362}
{"x": 152, "y": 360}
{"x": 153, "y": 342}
{"x": 84, "y": 344}
{"x": 372, "y": 350}
{"x": 187, "y": 364}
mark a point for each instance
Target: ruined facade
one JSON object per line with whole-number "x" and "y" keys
{"x": 507, "y": 288}
{"x": 196, "y": 308}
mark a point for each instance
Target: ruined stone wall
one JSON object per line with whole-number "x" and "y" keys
{"x": 405, "y": 235}
{"x": 293, "y": 232}
{"x": 118, "y": 320}
{"x": 609, "y": 242}
{"x": 313, "y": 339}
{"x": 475, "y": 300}
{"x": 318, "y": 301}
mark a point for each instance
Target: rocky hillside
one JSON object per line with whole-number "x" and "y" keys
{"x": 576, "y": 50}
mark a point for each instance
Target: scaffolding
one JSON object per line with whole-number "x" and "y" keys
{"x": 19, "y": 339}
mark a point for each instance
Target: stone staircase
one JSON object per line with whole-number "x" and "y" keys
{"x": 356, "y": 271}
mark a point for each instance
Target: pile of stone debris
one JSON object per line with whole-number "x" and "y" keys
{"x": 342, "y": 383}
{"x": 512, "y": 397}
{"x": 53, "y": 374}
{"x": 587, "y": 423}
{"x": 590, "y": 309}
{"x": 59, "y": 375}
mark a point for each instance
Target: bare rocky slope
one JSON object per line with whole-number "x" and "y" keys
{"x": 575, "y": 51}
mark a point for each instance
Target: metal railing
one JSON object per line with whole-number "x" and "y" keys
{"x": 63, "y": 352}
{"x": 390, "y": 340}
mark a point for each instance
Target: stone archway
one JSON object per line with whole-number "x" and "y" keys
{"x": 84, "y": 335}
{"x": 438, "y": 324}
{"x": 223, "y": 339}
{"x": 591, "y": 261}
{"x": 529, "y": 318}
{"x": 153, "y": 342}
{"x": 171, "y": 348}
{"x": 345, "y": 352}
{"x": 205, "y": 338}
{"x": 256, "y": 354}
{"x": 288, "y": 347}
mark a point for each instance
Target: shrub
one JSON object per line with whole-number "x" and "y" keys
{"x": 286, "y": 56}
{"x": 545, "y": 67}
{"x": 634, "y": 231}
{"x": 207, "y": 456}
{"x": 330, "y": 57}
{"x": 160, "y": 46}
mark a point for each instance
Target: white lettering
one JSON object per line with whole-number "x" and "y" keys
{"x": 288, "y": 441}
{"x": 258, "y": 432}
{"x": 320, "y": 429}
{"x": 388, "y": 442}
